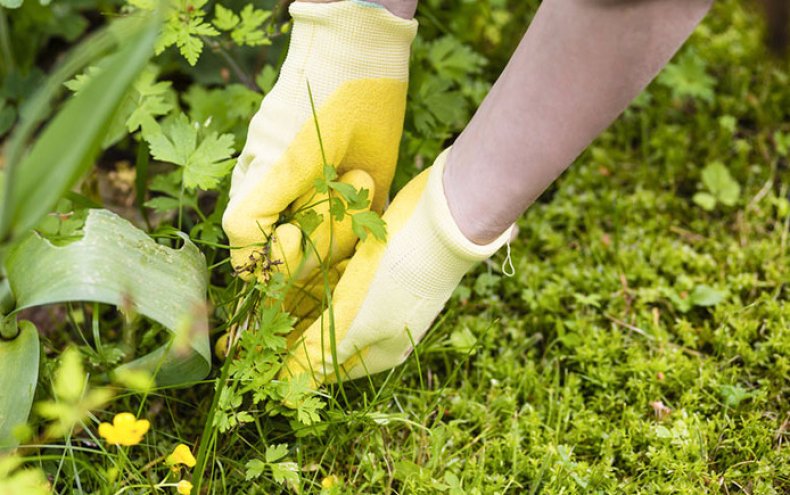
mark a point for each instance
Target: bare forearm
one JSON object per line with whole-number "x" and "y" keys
{"x": 578, "y": 66}
{"x": 401, "y": 8}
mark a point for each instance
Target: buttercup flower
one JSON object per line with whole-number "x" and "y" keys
{"x": 330, "y": 482}
{"x": 184, "y": 487}
{"x": 181, "y": 455}
{"x": 124, "y": 430}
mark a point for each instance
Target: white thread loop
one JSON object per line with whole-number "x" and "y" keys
{"x": 507, "y": 266}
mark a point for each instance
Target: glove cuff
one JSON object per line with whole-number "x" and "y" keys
{"x": 361, "y": 39}
{"x": 444, "y": 223}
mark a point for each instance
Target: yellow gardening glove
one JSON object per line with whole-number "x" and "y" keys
{"x": 354, "y": 55}
{"x": 391, "y": 291}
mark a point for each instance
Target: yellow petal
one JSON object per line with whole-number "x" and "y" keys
{"x": 184, "y": 487}
{"x": 107, "y": 431}
{"x": 182, "y": 455}
{"x": 124, "y": 420}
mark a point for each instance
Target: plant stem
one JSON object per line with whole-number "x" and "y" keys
{"x": 8, "y": 64}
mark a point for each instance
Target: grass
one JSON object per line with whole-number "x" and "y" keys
{"x": 642, "y": 345}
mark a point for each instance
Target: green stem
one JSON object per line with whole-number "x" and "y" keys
{"x": 208, "y": 428}
{"x": 8, "y": 64}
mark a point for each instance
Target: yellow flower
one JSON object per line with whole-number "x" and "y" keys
{"x": 330, "y": 482}
{"x": 181, "y": 455}
{"x": 184, "y": 487}
{"x": 124, "y": 430}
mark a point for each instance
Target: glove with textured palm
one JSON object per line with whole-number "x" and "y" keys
{"x": 391, "y": 291}
{"x": 354, "y": 57}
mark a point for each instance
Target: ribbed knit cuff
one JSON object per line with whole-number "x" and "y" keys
{"x": 444, "y": 223}
{"x": 353, "y": 34}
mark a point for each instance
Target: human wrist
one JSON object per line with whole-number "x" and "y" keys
{"x": 400, "y": 8}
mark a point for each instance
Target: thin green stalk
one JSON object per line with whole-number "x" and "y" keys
{"x": 7, "y": 64}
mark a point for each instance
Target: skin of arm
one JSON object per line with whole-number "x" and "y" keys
{"x": 578, "y": 66}
{"x": 401, "y": 8}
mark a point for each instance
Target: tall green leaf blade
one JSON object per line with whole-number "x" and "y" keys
{"x": 19, "y": 361}
{"x": 116, "y": 263}
{"x": 67, "y": 147}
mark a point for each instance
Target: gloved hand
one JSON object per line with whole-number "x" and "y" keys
{"x": 354, "y": 55}
{"x": 391, "y": 291}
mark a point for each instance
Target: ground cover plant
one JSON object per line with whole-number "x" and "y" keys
{"x": 642, "y": 345}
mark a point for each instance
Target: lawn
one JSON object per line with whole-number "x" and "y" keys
{"x": 642, "y": 345}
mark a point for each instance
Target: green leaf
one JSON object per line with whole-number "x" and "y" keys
{"x": 337, "y": 209}
{"x": 249, "y": 31}
{"x": 64, "y": 151}
{"x": 116, "y": 263}
{"x": 285, "y": 472}
{"x": 704, "y": 295}
{"x": 705, "y": 200}
{"x": 69, "y": 383}
{"x": 224, "y": 19}
{"x": 255, "y": 469}
{"x": 309, "y": 220}
{"x": 454, "y": 60}
{"x": 10, "y": 4}
{"x": 266, "y": 79}
{"x": 366, "y": 222}
{"x": 276, "y": 452}
{"x": 733, "y": 395}
{"x": 686, "y": 77}
{"x": 19, "y": 361}
{"x": 717, "y": 179}
{"x": 205, "y": 164}
{"x": 210, "y": 162}
{"x": 463, "y": 340}
{"x": 782, "y": 143}
{"x": 184, "y": 29}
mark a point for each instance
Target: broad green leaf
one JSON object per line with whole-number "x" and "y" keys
{"x": 18, "y": 377}
{"x": 704, "y": 295}
{"x": 115, "y": 263}
{"x": 65, "y": 151}
{"x": 705, "y": 200}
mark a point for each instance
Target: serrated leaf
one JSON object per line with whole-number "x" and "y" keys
{"x": 337, "y": 209}
{"x": 285, "y": 472}
{"x": 276, "y": 452}
{"x": 366, "y": 222}
{"x": 309, "y": 220}
{"x": 205, "y": 164}
{"x": 452, "y": 59}
{"x": 255, "y": 469}
{"x": 224, "y": 19}
{"x": 210, "y": 162}
{"x": 686, "y": 77}
{"x": 249, "y": 31}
